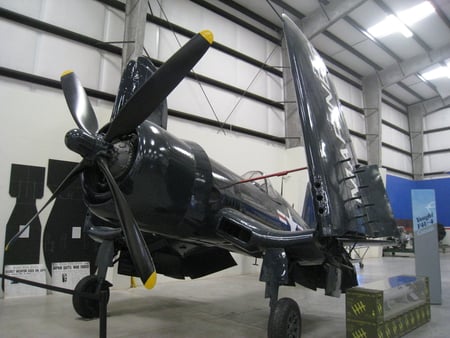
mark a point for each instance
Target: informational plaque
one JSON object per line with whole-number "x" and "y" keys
{"x": 426, "y": 245}
{"x": 68, "y": 274}
{"x": 32, "y": 272}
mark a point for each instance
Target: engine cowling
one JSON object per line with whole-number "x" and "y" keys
{"x": 155, "y": 171}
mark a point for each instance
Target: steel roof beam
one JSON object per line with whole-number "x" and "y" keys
{"x": 432, "y": 105}
{"x": 327, "y": 14}
{"x": 401, "y": 70}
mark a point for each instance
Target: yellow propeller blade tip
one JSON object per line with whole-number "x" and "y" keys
{"x": 208, "y": 36}
{"x": 151, "y": 281}
{"x": 67, "y": 72}
{"x": 6, "y": 248}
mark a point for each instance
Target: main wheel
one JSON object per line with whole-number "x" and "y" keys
{"x": 285, "y": 320}
{"x": 86, "y": 307}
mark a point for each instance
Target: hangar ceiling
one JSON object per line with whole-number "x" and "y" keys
{"x": 412, "y": 69}
{"x": 410, "y": 64}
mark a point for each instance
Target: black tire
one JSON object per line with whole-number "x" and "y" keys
{"x": 85, "y": 307}
{"x": 285, "y": 320}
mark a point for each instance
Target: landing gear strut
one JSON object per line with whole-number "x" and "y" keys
{"x": 285, "y": 320}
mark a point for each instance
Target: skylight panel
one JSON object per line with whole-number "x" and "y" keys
{"x": 390, "y": 25}
{"x": 417, "y": 13}
{"x": 437, "y": 73}
{"x": 399, "y": 23}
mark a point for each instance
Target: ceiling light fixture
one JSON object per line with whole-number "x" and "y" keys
{"x": 437, "y": 73}
{"x": 399, "y": 23}
{"x": 416, "y": 13}
{"x": 391, "y": 24}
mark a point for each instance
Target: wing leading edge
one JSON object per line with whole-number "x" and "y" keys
{"x": 135, "y": 74}
{"x": 342, "y": 202}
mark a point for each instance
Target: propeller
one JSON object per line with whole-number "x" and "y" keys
{"x": 96, "y": 148}
{"x": 136, "y": 245}
{"x": 78, "y": 102}
{"x": 160, "y": 84}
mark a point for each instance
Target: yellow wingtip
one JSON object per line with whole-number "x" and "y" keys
{"x": 208, "y": 36}
{"x": 66, "y": 72}
{"x": 151, "y": 281}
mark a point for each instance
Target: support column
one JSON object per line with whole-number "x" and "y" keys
{"x": 415, "y": 114}
{"x": 134, "y": 30}
{"x": 372, "y": 113}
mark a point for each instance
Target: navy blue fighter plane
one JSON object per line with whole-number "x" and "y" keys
{"x": 164, "y": 206}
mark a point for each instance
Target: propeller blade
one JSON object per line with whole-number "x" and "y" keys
{"x": 79, "y": 105}
{"x": 148, "y": 97}
{"x": 136, "y": 245}
{"x": 63, "y": 185}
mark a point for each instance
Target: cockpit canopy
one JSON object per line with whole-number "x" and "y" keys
{"x": 263, "y": 183}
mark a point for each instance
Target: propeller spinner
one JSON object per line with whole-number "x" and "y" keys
{"x": 97, "y": 148}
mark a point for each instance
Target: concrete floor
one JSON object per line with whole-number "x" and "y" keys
{"x": 209, "y": 307}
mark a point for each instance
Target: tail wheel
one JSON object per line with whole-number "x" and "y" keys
{"x": 86, "y": 307}
{"x": 285, "y": 320}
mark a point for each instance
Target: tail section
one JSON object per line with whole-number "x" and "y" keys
{"x": 342, "y": 205}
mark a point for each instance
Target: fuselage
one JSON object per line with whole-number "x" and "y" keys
{"x": 174, "y": 189}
